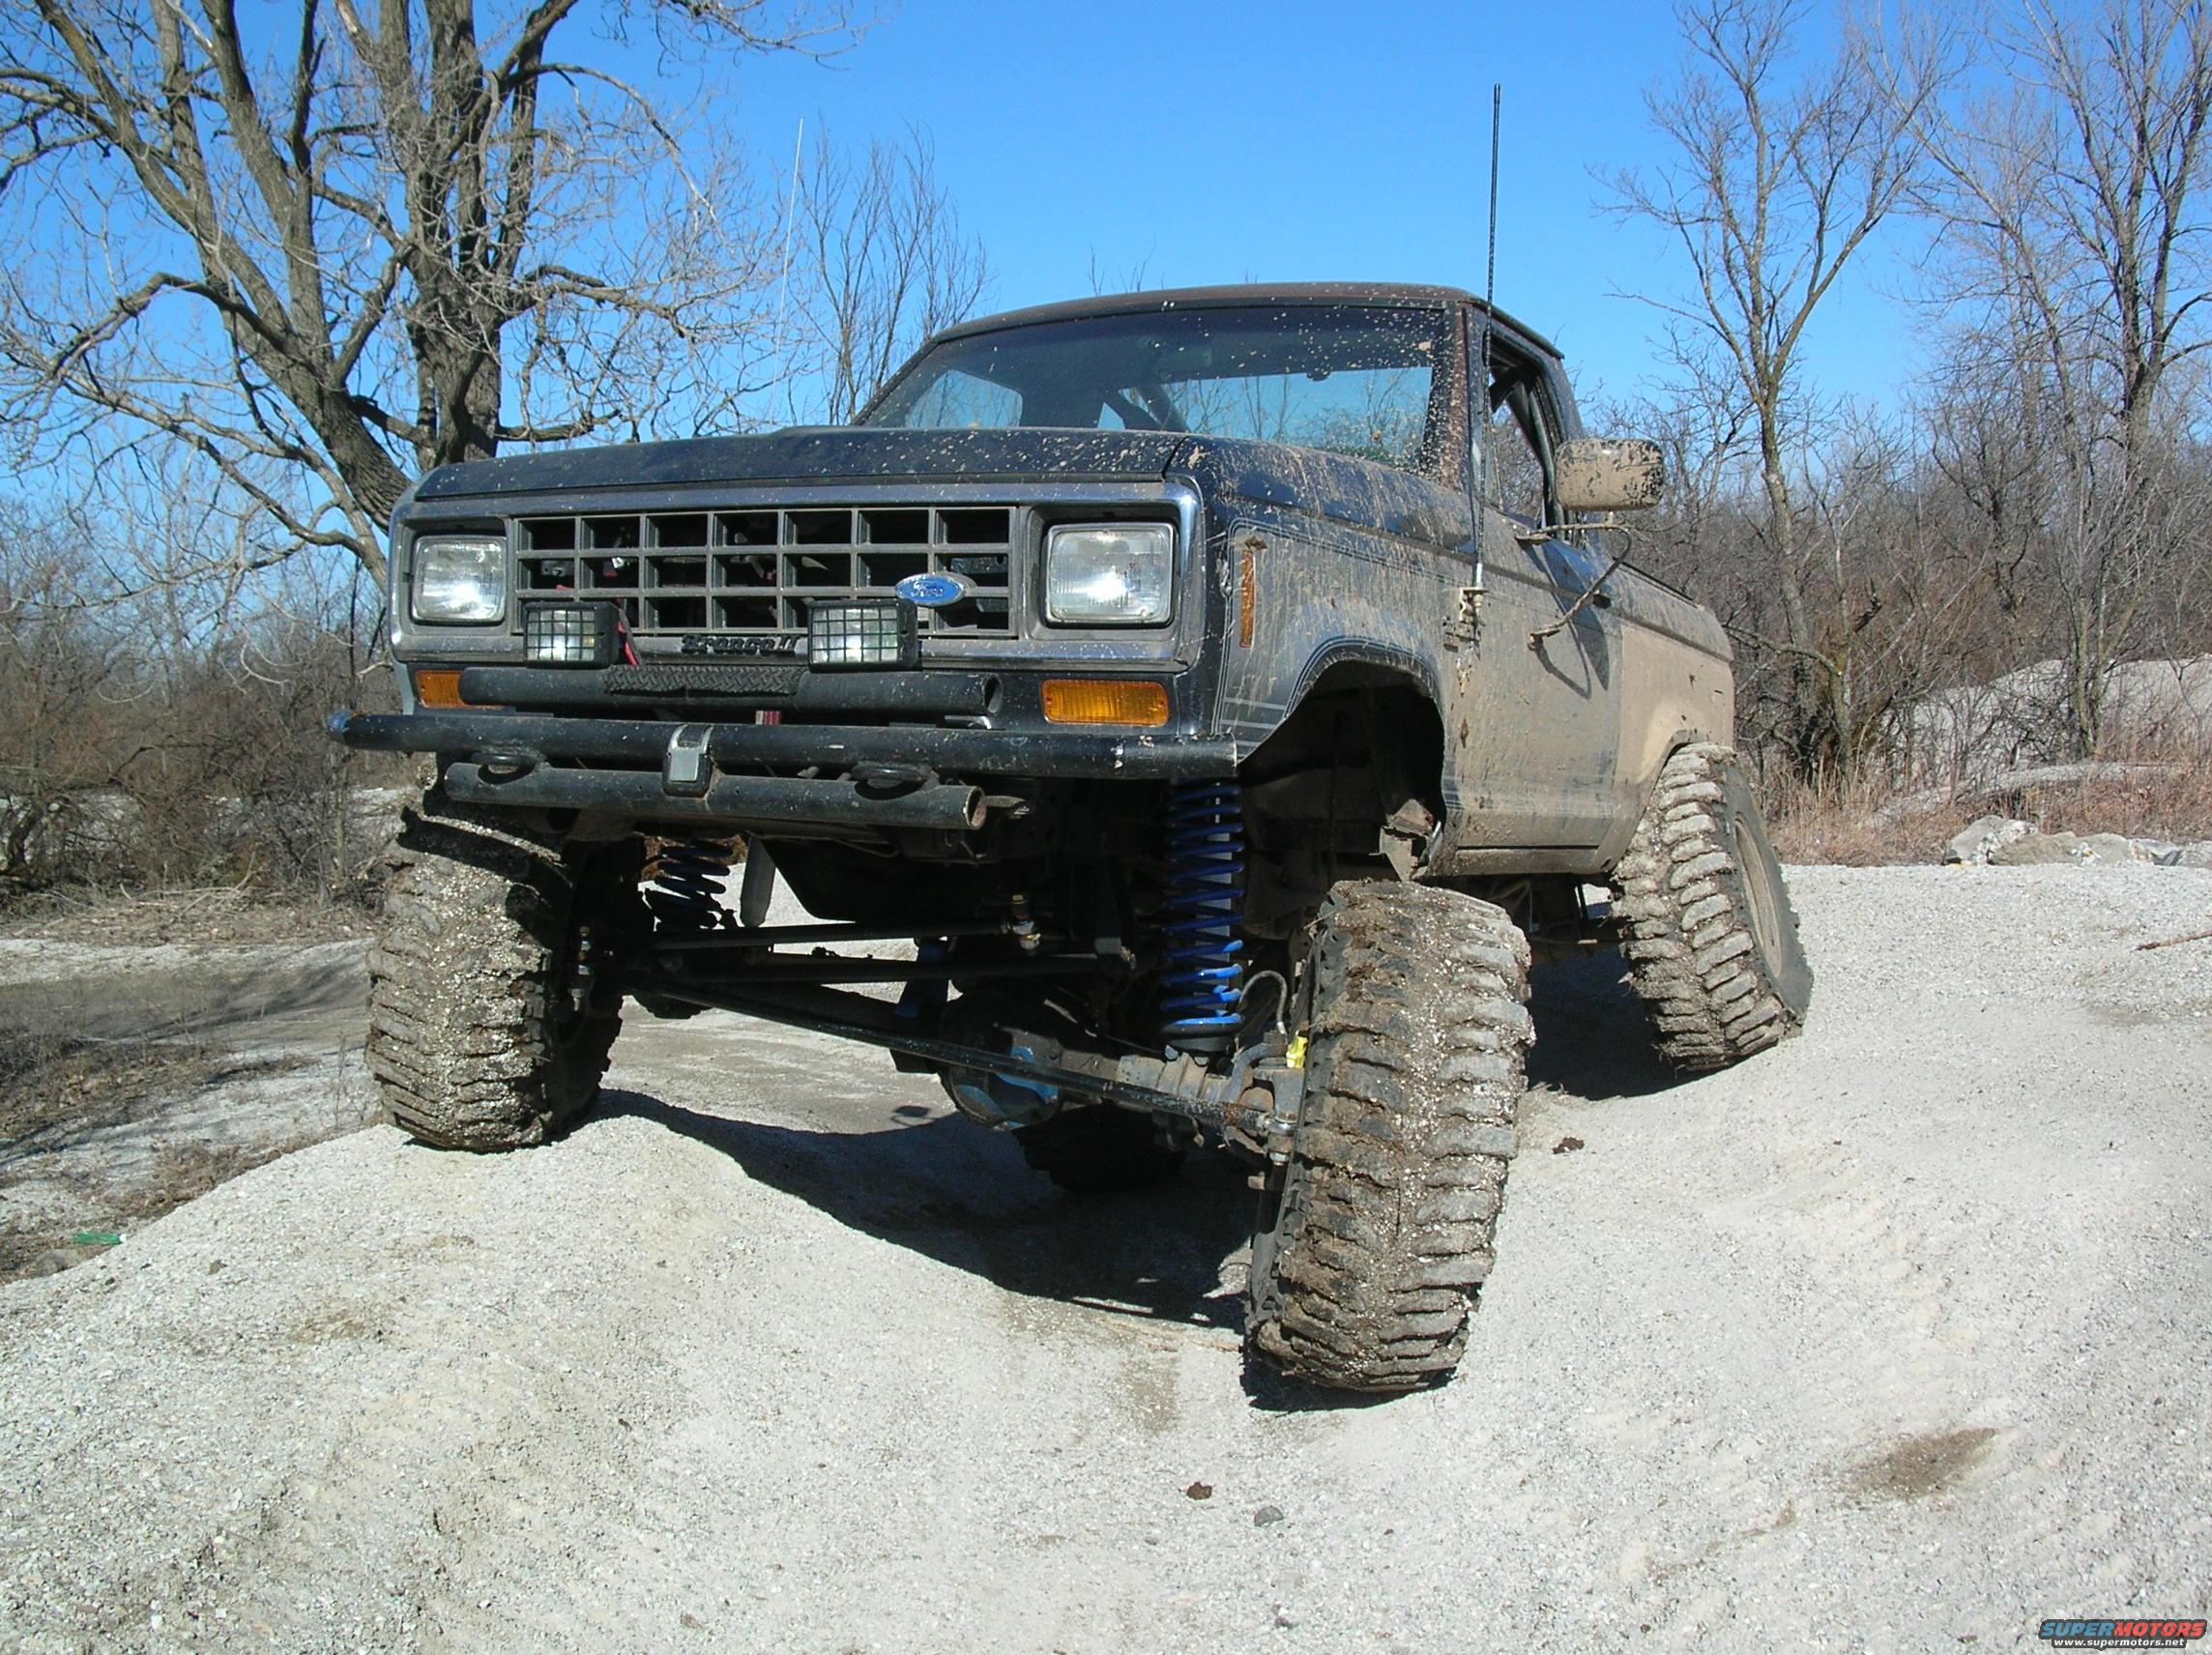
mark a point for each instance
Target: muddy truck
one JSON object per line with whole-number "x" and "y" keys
{"x": 1183, "y": 716}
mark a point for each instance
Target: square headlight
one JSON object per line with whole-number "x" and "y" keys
{"x": 459, "y": 579}
{"x": 1109, "y": 574}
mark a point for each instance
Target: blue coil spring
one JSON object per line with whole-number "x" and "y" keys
{"x": 686, "y": 892}
{"x": 1204, "y": 902}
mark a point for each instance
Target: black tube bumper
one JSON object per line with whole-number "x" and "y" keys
{"x": 1041, "y": 754}
{"x": 865, "y": 777}
{"x": 767, "y": 803}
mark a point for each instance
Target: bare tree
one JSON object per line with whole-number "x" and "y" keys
{"x": 882, "y": 263}
{"x": 2075, "y": 204}
{"x": 61, "y": 677}
{"x": 1134, "y": 277}
{"x": 1779, "y": 174}
{"x": 375, "y": 238}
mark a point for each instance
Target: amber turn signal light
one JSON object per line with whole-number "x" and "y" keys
{"x": 438, "y": 686}
{"x": 1105, "y": 700}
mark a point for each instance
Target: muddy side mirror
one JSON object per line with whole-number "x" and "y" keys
{"x": 1609, "y": 474}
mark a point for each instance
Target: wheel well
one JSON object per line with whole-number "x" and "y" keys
{"x": 1353, "y": 780}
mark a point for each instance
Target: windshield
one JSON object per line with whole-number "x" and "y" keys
{"x": 1351, "y": 379}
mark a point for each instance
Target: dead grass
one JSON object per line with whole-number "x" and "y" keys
{"x": 220, "y": 913}
{"x": 1845, "y": 827}
{"x": 49, "y": 1079}
{"x": 2169, "y": 799}
{"x": 57, "y": 1090}
{"x": 2176, "y": 806}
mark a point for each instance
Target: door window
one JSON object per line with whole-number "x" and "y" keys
{"x": 1517, "y": 440}
{"x": 1511, "y": 468}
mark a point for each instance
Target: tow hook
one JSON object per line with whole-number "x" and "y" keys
{"x": 508, "y": 764}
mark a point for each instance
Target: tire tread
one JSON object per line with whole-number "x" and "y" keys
{"x": 476, "y": 925}
{"x": 1692, "y": 956}
{"x": 1400, "y": 1166}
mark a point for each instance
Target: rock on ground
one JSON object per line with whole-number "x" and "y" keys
{"x": 1981, "y": 839}
{"x": 1892, "y": 1338}
{"x": 2043, "y": 849}
{"x": 2007, "y": 842}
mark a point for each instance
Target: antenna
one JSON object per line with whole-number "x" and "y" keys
{"x": 1490, "y": 272}
{"x": 790, "y": 207}
{"x": 1469, "y": 617}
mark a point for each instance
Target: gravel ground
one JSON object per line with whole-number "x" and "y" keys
{"x": 1895, "y": 1338}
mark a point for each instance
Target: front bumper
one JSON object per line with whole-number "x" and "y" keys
{"x": 860, "y": 777}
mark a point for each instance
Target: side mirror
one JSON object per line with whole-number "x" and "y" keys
{"x": 1609, "y": 474}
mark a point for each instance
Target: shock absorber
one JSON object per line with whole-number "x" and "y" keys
{"x": 686, "y": 888}
{"x": 1203, "y": 904}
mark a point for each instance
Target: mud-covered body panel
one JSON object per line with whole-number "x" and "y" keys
{"x": 1549, "y": 742}
{"x": 1298, "y": 569}
{"x": 813, "y": 454}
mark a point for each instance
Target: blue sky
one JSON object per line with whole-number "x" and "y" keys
{"x": 1221, "y": 141}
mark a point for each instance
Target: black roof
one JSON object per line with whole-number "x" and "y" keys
{"x": 1407, "y": 293}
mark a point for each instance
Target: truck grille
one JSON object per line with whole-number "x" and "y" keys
{"x": 758, "y": 570}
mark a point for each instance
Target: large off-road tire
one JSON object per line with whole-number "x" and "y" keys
{"x": 1368, "y": 1258}
{"x": 475, "y": 1035}
{"x": 1097, "y": 1150}
{"x": 1712, "y": 940}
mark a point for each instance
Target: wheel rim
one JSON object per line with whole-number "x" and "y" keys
{"x": 1757, "y": 891}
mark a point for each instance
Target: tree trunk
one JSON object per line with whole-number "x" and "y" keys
{"x": 1806, "y": 694}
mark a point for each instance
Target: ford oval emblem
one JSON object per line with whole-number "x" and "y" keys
{"x": 932, "y": 590}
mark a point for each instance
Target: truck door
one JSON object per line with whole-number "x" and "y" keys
{"x": 1539, "y": 722}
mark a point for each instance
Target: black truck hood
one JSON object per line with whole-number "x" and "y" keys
{"x": 1350, "y": 491}
{"x": 821, "y": 454}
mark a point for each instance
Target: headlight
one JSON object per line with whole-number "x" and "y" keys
{"x": 1111, "y": 576}
{"x": 459, "y": 579}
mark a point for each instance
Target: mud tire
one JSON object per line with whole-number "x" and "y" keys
{"x": 1099, "y": 1151}
{"x": 1712, "y": 940}
{"x": 1367, "y": 1261}
{"x": 474, "y": 1038}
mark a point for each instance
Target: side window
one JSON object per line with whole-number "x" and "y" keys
{"x": 964, "y": 401}
{"x": 1514, "y": 472}
{"x": 1516, "y": 443}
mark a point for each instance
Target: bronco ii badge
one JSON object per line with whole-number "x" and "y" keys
{"x": 933, "y": 590}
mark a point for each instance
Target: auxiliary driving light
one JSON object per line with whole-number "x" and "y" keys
{"x": 863, "y": 633}
{"x": 572, "y": 634}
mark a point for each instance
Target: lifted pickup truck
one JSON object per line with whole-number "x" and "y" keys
{"x": 1219, "y": 696}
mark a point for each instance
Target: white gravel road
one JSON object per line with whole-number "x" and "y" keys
{"x": 1897, "y": 1338}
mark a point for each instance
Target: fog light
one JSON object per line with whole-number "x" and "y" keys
{"x": 572, "y": 634}
{"x": 862, "y": 633}
{"x": 1105, "y": 700}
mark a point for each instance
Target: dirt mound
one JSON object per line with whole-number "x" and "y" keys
{"x": 1891, "y": 1335}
